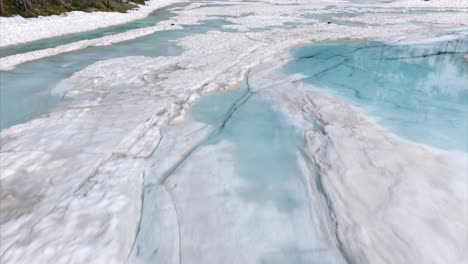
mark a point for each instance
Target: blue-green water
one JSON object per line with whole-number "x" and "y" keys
{"x": 265, "y": 145}
{"x": 151, "y": 20}
{"x": 419, "y": 92}
{"x": 25, "y": 90}
{"x": 243, "y": 176}
{"x": 264, "y": 155}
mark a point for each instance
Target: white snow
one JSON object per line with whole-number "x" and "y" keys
{"x": 437, "y": 20}
{"x": 9, "y": 62}
{"x": 262, "y": 17}
{"x": 389, "y": 196}
{"x": 72, "y": 179}
{"x": 430, "y": 4}
{"x": 16, "y": 30}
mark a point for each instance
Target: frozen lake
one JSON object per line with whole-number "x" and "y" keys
{"x": 265, "y": 132}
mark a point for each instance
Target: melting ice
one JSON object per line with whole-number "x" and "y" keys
{"x": 419, "y": 92}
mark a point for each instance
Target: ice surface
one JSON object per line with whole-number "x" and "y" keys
{"x": 152, "y": 19}
{"x": 237, "y": 196}
{"x": 16, "y": 30}
{"x": 26, "y": 91}
{"x": 111, "y": 174}
{"x": 419, "y": 91}
{"x": 257, "y": 17}
{"x": 388, "y": 196}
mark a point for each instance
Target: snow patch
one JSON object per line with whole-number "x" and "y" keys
{"x": 16, "y": 30}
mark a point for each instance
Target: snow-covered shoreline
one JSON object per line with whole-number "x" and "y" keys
{"x": 16, "y": 30}
{"x": 240, "y": 23}
{"x": 9, "y": 62}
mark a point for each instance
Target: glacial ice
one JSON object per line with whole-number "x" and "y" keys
{"x": 135, "y": 166}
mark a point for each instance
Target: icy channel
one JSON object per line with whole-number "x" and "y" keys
{"x": 151, "y": 20}
{"x": 27, "y": 90}
{"x": 238, "y": 195}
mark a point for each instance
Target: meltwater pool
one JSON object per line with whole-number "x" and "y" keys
{"x": 418, "y": 91}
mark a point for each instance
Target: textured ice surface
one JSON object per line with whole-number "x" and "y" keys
{"x": 16, "y": 30}
{"x": 389, "y": 197}
{"x": 26, "y": 91}
{"x": 237, "y": 195}
{"x": 151, "y": 20}
{"x": 85, "y": 183}
{"x": 419, "y": 91}
{"x": 257, "y": 17}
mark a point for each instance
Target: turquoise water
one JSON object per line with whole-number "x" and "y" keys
{"x": 241, "y": 183}
{"x": 264, "y": 155}
{"x": 151, "y": 20}
{"x": 419, "y": 92}
{"x": 265, "y": 145}
{"x": 25, "y": 90}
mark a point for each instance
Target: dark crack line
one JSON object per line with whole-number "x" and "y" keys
{"x": 320, "y": 188}
{"x": 142, "y": 205}
{"x": 377, "y": 46}
{"x": 309, "y": 56}
{"x": 96, "y": 171}
{"x": 93, "y": 174}
{"x": 331, "y": 211}
{"x": 234, "y": 108}
{"x": 323, "y": 72}
{"x": 352, "y": 67}
{"x": 345, "y": 58}
{"x": 139, "y": 221}
{"x": 157, "y": 145}
{"x": 426, "y": 55}
{"x": 178, "y": 221}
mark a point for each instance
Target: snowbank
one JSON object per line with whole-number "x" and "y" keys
{"x": 16, "y": 30}
{"x": 9, "y": 62}
{"x": 431, "y": 3}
